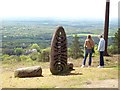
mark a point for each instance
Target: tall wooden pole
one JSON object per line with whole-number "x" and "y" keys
{"x": 106, "y": 26}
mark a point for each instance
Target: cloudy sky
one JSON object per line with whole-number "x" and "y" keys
{"x": 57, "y": 8}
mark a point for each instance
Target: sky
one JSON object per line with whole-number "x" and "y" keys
{"x": 57, "y": 8}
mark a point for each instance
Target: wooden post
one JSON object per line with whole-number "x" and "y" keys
{"x": 106, "y": 26}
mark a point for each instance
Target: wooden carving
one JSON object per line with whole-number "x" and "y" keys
{"x": 58, "y": 62}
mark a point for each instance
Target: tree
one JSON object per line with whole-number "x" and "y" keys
{"x": 117, "y": 40}
{"x": 115, "y": 47}
{"x": 75, "y": 50}
{"x": 18, "y": 51}
{"x": 34, "y": 55}
{"x": 45, "y": 54}
{"x": 36, "y": 46}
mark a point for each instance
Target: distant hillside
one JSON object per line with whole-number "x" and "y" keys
{"x": 40, "y": 30}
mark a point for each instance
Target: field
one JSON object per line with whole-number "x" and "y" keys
{"x": 92, "y": 77}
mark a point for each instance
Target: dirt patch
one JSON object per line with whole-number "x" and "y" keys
{"x": 110, "y": 83}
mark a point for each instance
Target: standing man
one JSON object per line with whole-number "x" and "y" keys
{"x": 101, "y": 48}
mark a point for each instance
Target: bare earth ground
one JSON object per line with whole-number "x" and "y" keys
{"x": 109, "y": 83}
{"x": 80, "y": 78}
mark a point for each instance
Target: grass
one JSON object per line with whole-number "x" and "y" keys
{"x": 75, "y": 79}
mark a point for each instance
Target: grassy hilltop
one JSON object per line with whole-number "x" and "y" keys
{"x": 80, "y": 78}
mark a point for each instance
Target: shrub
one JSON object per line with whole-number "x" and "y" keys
{"x": 113, "y": 49}
{"x": 18, "y": 51}
{"x": 36, "y": 46}
{"x": 25, "y": 58}
{"x": 34, "y": 55}
{"x": 75, "y": 51}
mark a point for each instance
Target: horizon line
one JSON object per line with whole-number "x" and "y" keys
{"x": 52, "y": 17}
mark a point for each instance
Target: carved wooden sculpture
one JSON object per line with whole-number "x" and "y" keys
{"x": 58, "y": 62}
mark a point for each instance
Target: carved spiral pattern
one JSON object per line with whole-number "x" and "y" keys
{"x": 58, "y": 62}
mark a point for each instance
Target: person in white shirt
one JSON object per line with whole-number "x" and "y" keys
{"x": 101, "y": 48}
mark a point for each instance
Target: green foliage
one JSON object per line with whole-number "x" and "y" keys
{"x": 25, "y": 58}
{"x": 115, "y": 47}
{"x": 96, "y": 51}
{"x": 17, "y": 34}
{"x": 16, "y": 38}
{"x": 4, "y": 56}
{"x": 34, "y": 55}
{"x": 10, "y": 59}
{"x": 45, "y": 55}
{"x": 18, "y": 51}
{"x": 117, "y": 39}
{"x": 48, "y": 49}
{"x": 39, "y": 58}
{"x": 36, "y": 46}
{"x": 75, "y": 51}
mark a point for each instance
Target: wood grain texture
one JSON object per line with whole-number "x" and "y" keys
{"x": 58, "y": 61}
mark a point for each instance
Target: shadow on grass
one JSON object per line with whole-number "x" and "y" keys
{"x": 69, "y": 73}
{"x": 74, "y": 74}
{"x": 30, "y": 76}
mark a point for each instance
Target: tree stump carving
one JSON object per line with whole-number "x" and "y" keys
{"x": 58, "y": 61}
